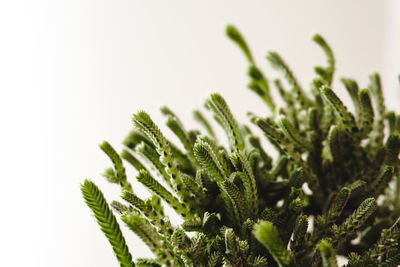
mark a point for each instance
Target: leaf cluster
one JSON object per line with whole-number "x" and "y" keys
{"x": 316, "y": 198}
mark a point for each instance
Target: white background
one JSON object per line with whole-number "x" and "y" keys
{"x": 73, "y": 72}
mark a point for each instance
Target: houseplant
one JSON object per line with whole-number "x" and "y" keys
{"x": 333, "y": 189}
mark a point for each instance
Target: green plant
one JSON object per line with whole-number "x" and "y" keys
{"x": 247, "y": 208}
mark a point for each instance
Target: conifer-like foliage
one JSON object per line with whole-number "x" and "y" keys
{"x": 331, "y": 188}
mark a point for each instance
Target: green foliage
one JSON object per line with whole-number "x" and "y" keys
{"x": 327, "y": 254}
{"x": 147, "y": 263}
{"x": 225, "y": 118}
{"x": 268, "y": 235}
{"x": 348, "y": 228}
{"x": 332, "y": 187}
{"x": 237, "y": 37}
{"x": 117, "y": 176}
{"x": 108, "y": 224}
{"x": 326, "y": 73}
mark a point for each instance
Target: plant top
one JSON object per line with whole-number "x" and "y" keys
{"x": 247, "y": 208}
